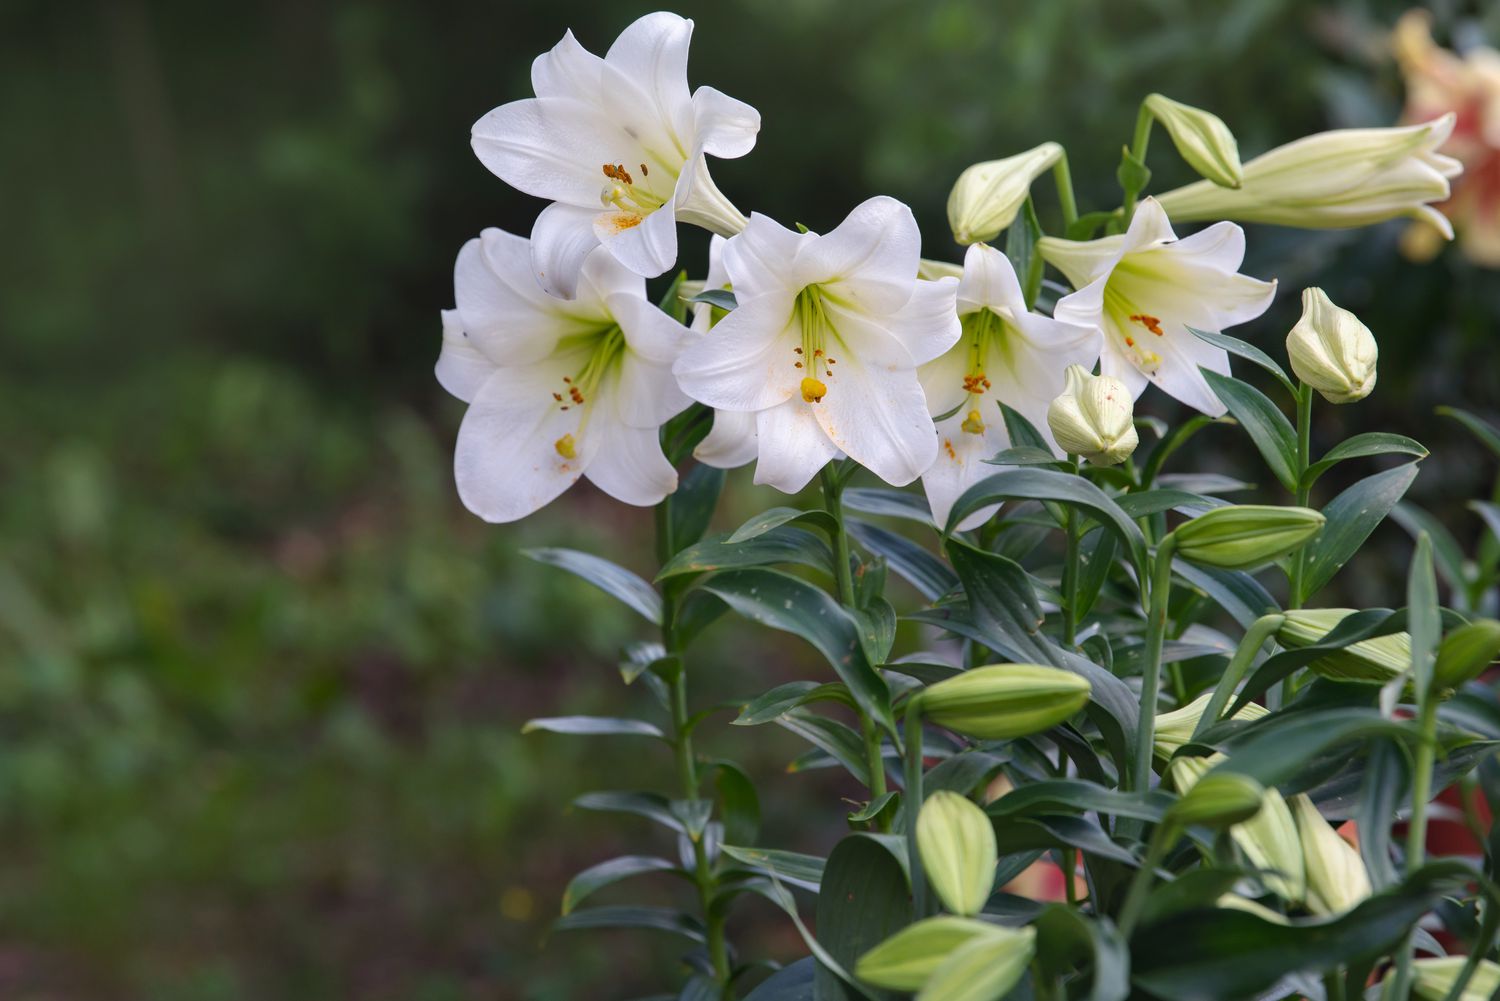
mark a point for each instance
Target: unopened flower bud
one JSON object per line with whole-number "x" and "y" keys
{"x": 1002, "y": 701}
{"x": 1202, "y": 139}
{"x": 987, "y": 196}
{"x": 1219, "y": 799}
{"x": 1331, "y": 350}
{"x": 1094, "y": 417}
{"x": 956, "y": 842}
{"x": 1336, "y": 876}
{"x": 1433, "y": 978}
{"x": 1376, "y": 660}
{"x": 1177, "y": 727}
{"x": 906, "y": 960}
{"x": 1466, "y": 652}
{"x": 1246, "y": 536}
{"x": 1269, "y": 839}
{"x": 983, "y": 968}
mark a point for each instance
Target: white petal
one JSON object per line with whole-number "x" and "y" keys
{"x": 1179, "y": 377}
{"x": 989, "y": 282}
{"x": 1149, "y": 227}
{"x": 761, "y": 258}
{"x": 878, "y": 416}
{"x": 1112, "y": 362}
{"x": 928, "y": 324}
{"x": 746, "y": 361}
{"x": 630, "y": 467}
{"x": 506, "y": 462}
{"x": 730, "y": 442}
{"x": 792, "y": 447}
{"x": 646, "y": 244}
{"x": 561, "y": 239}
{"x": 506, "y": 314}
{"x": 652, "y": 53}
{"x": 553, "y": 147}
{"x": 724, "y": 126}
{"x": 1082, "y": 262}
{"x": 1085, "y": 307}
{"x": 461, "y": 367}
{"x": 569, "y": 70}
{"x": 646, "y": 395}
{"x": 943, "y": 379}
{"x": 870, "y": 259}
{"x": 1220, "y": 247}
{"x": 651, "y": 334}
{"x": 1032, "y": 370}
{"x": 959, "y": 465}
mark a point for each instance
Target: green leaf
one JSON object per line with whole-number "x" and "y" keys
{"x": 892, "y": 503}
{"x": 1065, "y": 938}
{"x": 874, "y": 808}
{"x": 1490, "y": 513}
{"x": 651, "y": 918}
{"x": 1482, "y": 429}
{"x": 594, "y": 725}
{"x": 1227, "y": 953}
{"x": 790, "y": 983}
{"x": 1277, "y": 749}
{"x": 641, "y": 804}
{"x": 1095, "y": 559}
{"x": 863, "y": 900}
{"x": 1062, "y": 795}
{"x": 1267, "y": 426}
{"x": 1247, "y": 351}
{"x": 605, "y": 873}
{"x": 918, "y": 567}
{"x": 1023, "y": 456}
{"x": 1445, "y": 548}
{"x": 1023, "y": 433}
{"x": 1050, "y": 485}
{"x": 795, "y": 868}
{"x": 691, "y": 506}
{"x": 1020, "y": 247}
{"x": 1422, "y": 619}
{"x": 739, "y": 804}
{"x": 671, "y": 301}
{"x": 767, "y": 706}
{"x": 776, "y": 517}
{"x": 1352, "y": 516}
{"x": 1360, "y": 446}
{"x": 783, "y": 545}
{"x": 613, "y": 580}
{"x": 836, "y": 739}
{"x": 1018, "y": 834}
{"x": 791, "y": 605}
{"x": 1239, "y": 594}
{"x": 1149, "y": 502}
{"x": 720, "y": 297}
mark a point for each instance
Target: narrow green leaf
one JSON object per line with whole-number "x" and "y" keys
{"x": 832, "y": 737}
{"x": 613, "y": 580}
{"x": 783, "y": 545}
{"x": 1020, "y": 247}
{"x": 1239, "y": 594}
{"x": 1067, "y": 795}
{"x": 1066, "y": 938}
{"x": 641, "y": 804}
{"x": 1352, "y": 516}
{"x": 1024, "y": 456}
{"x": 1490, "y": 513}
{"x": 606, "y": 873}
{"x": 1360, "y": 446}
{"x": 1023, "y": 433}
{"x": 795, "y": 868}
{"x": 790, "y": 983}
{"x": 1149, "y": 502}
{"x": 1267, "y": 426}
{"x": 738, "y": 801}
{"x": 776, "y": 517}
{"x": 594, "y": 725}
{"x": 1247, "y": 351}
{"x": 691, "y": 507}
{"x": 650, "y": 918}
{"x": 1446, "y": 551}
{"x": 780, "y": 700}
{"x": 720, "y": 297}
{"x": 1422, "y": 619}
{"x": 892, "y": 503}
{"x": 1482, "y": 429}
{"x": 918, "y": 567}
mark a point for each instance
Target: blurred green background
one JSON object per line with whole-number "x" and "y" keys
{"x": 261, "y": 677}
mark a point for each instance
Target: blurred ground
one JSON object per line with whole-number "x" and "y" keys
{"x": 261, "y": 678}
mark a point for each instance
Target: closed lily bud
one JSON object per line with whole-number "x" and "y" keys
{"x": 1331, "y": 350}
{"x": 987, "y": 196}
{"x": 1268, "y": 839}
{"x": 1094, "y": 417}
{"x": 1433, "y": 978}
{"x": 1219, "y": 799}
{"x": 1376, "y": 660}
{"x": 1246, "y": 536}
{"x": 906, "y": 960}
{"x": 956, "y": 842}
{"x": 1202, "y": 139}
{"x": 982, "y": 969}
{"x": 1177, "y": 727}
{"x": 1466, "y": 652}
{"x": 1336, "y": 876}
{"x": 1001, "y": 701}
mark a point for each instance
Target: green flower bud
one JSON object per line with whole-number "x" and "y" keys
{"x": 1331, "y": 351}
{"x": 984, "y": 969}
{"x": 1177, "y": 727}
{"x": 987, "y": 196}
{"x": 906, "y": 960}
{"x": 1336, "y": 876}
{"x": 1433, "y": 978}
{"x": 1002, "y": 701}
{"x": 1246, "y": 536}
{"x": 1269, "y": 839}
{"x": 1094, "y": 417}
{"x": 1202, "y": 139}
{"x": 1466, "y": 652}
{"x": 1376, "y": 660}
{"x": 956, "y": 842}
{"x": 1219, "y": 799}
{"x": 1234, "y": 902}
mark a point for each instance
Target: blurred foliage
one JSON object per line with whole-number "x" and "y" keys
{"x": 260, "y": 678}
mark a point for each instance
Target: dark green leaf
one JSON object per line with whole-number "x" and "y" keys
{"x": 874, "y": 808}
{"x": 1025, "y": 455}
{"x": 775, "y": 518}
{"x": 1422, "y": 620}
{"x": 924, "y": 571}
{"x": 1490, "y": 513}
{"x": 1020, "y": 247}
{"x": 1149, "y": 502}
{"x": 605, "y": 873}
{"x": 795, "y": 868}
{"x": 783, "y": 698}
{"x": 1275, "y": 750}
{"x": 1016, "y": 834}
{"x": 739, "y": 804}
{"x": 791, "y": 983}
{"x": 1361, "y": 445}
{"x": 832, "y": 737}
{"x": 641, "y": 804}
{"x": 720, "y": 297}
{"x": 1023, "y": 433}
{"x": 1067, "y": 795}
{"x": 1247, "y": 351}
{"x": 1478, "y": 426}
{"x": 1066, "y": 940}
{"x": 864, "y": 899}
{"x": 692, "y": 505}
{"x": 784, "y": 602}
{"x": 774, "y": 546}
{"x": 1267, "y": 426}
{"x": 1352, "y": 516}
{"x": 1236, "y": 592}
{"x": 653, "y": 918}
{"x": 594, "y": 725}
{"x": 1096, "y": 554}
{"x": 613, "y": 580}
{"x": 1445, "y": 548}
{"x": 891, "y": 503}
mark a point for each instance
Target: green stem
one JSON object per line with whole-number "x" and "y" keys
{"x": 1416, "y": 828}
{"x": 1070, "y": 579}
{"x": 1260, "y": 630}
{"x": 1156, "y": 629}
{"x": 913, "y": 782}
{"x": 1140, "y": 885}
{"x": 1070, "y": 873}
{"x": 1138, "y": 146}
{"x": 1062, "y": 176}
{"x": 1304, "y": 459}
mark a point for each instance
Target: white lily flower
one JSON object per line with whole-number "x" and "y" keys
{"x": 1007, "y": 354}
{"x": 617, "y": 145}
{"x": 731, "y": 441}
{"x": 824, "y": 344}
{"x": 1145, "y": 287}
{"x": 1334, "y": 180}
{"x": 556, "y": 389}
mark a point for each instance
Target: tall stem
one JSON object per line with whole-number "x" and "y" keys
{"x": 1416, "y": 828}
{"x": 1138, "y": 146}
{"x": 1260, "y": 630}
{"x": 1304, "y": 459}
{"x": 1063, "y": 177}
{"x": 1070, "y": 575}
{"x": 913, "y": 777}
{"x": 1156, "y": 630}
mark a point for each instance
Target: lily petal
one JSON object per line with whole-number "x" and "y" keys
{"x": 506, "y": 314}
{"x": 793, "y": 446}
{"x": 550, "y": 147}
{"x": 745, "y": 361}
{"x": 461, "y": 367}
{"x": 561, "y": 239}
{"x": 730, "y": 442}
{"x": 568, "y": 70}
{"x": 762, "y": 257}
{"x": 878, "y": 416}
{"x": 630, "y": 467}
{"x": 646, "y": 244}
{"x": 652, "y": 53}
{"x": 725, "y": 127}
{"x": 869, "y": 258}
{"x": 927, "y": 325}
{"x": 959, "y": 465}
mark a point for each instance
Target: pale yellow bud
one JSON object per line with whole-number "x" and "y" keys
{"x": 1433, "y": 978}
{"x": 987, "y": 196}
{"x": 982, "y": 968}
{"x": 906, "y": 960}
{"x": 1177, "y": 727}
{"x": 956, "y": 842}
{"x": 1269, "y": 839}
{"x": 1331, "y": 350}
{"x": 1094, "y": 417}
{"x": 1375, "y": 660}
{"x": 1219, "y": 799}
{"x": 1202, "y": 139}
{"x": 1002, "y": 701}
{"x": 1246, "y": 536}
{"x": 1336, "y": 876}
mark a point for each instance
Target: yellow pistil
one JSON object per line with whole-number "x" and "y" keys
{"x": 810, "y": 355}
{"x": 813, "y": 390}
{"x": 566, "y": 447}
{"x": 973, "y": 423}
